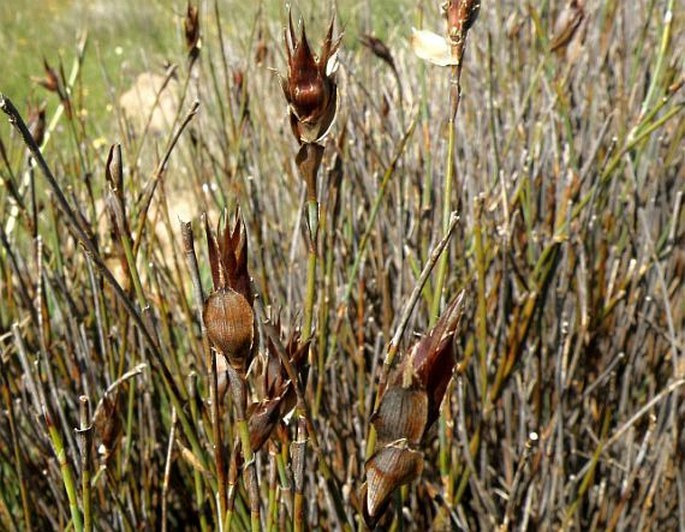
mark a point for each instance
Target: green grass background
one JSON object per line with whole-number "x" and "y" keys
{"x": 126, "y": 37}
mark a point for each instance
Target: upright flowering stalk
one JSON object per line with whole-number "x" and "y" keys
{"x": 409, "y": 406}
{"x": 312, "y": 95}
{"x": 229, "y": 320}
{"x": 441, "y": 51}
{"x": 449, "y": 52}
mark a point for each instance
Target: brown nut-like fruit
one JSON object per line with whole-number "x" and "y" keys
{"x": 229, "y": 320}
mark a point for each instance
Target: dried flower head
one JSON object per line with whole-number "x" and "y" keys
{"x": 408, "y": 407}
{"x": 279, "y": 393}
{"x": 441, "y": 51}
{"x": 228, "y": 257}
{"x": 107, "y": 424}
{"x": 191, "y": 27}
{"x": 378, "y": 48}
{"x": 51, "y": 81}
{"x": 228, "y": 313}
{"x": 310, "y": 86}
{"x": 430, "y": 362}
{"x": 461, "y": 14}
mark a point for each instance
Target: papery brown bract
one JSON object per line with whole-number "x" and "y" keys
{"x": 228, "y": 258}
{"x": 461, "y": 14}
{"x": 51, "y": 81}
{"x": 309, "y": 86}
{"x": 276, "y": 380}
{"x": 431, "y": 361}
{"x": 402, "y": 413}
{"x": 279, "y": 393}
{"x": 388, "y": 469}
{"x": 263, "y": 417}
{"x": 107, "y": 424}
{"x": 566, "y": 25}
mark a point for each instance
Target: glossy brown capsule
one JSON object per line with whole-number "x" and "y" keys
{"x": 229, "y": 320}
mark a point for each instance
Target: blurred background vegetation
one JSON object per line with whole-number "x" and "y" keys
{"x": 127, "y": 36}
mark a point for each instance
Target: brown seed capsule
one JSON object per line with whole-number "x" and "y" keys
{"x": 230, "y": 326}
{"x": 403, "y": 413}
{"x": 387, "y": 469}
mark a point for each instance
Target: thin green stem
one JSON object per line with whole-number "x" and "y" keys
{"x": 238, "y": 390}
{"x": 663, "y": 48}
{"x": 67, "y": 475}
{"x": 389, "y": 172}
{"x": 446, "y": 206}
{"x": 85, "y": 446}
{"x": 481, "y": 312}
{"x": 310, "y": 292}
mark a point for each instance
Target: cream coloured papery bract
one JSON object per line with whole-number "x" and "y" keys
{"x": 432, "y": 47}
